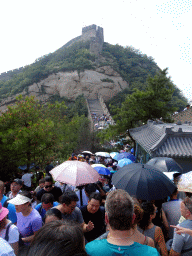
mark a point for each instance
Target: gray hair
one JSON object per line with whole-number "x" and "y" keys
{"x": 119, "y": 209}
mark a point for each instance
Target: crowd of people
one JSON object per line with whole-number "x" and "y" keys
{"x": 94, "y": 219}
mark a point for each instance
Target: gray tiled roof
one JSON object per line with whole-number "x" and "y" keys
{"x": 161, "y": 139}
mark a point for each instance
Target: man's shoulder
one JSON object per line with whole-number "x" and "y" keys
{"x": 186, "y": 224}
{"x": 83, "y": 208}
{"x": 56, "y": 189}
{"x": 40, "y": 192}
{"x": 102, "y": 247}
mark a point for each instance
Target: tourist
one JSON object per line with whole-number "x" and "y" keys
{"x": 16, "y": 186}
{"x": 49, "y": 188}
{"x": 69, "y": 210}
{"x": 119, "y": 218}
{"x": 52, "y": 215}
{"x": 96, "y": 214}
{"x": 5, "y": 203}
{"x": 172, "y": 211}
{"x": 28, "y": 219}
{"x": 47, "y": 202}
{"x": 26, "y": 178}
{"x": 8, "y": 230}
{"x": 58, "y": 238}
{"x": 147, "y": 228}
{"x": 5, "y": 248}
{"x": 182, "y": 244}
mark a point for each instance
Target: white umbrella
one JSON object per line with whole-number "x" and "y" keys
{"x": 185, "y": 182}
{"x": 103, "y": 154}
{"x": 87, "y": 152}
{"x": 75, "y": 173}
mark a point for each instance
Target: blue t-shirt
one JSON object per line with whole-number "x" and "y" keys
{"x": 102, "y": 247}
{"x": 12, "y": 212}
{"x": 42, "y": 211}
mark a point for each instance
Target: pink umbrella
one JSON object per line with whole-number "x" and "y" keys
{"x": 75, "y": 173}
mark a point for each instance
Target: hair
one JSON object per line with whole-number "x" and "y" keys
{"x": 68, "y": 197}
{"x": 48, "y": 179}
{"x": 58, "y": 238}
{"x": 47, "y": 198}
{"x": 96, "y": 196}
{"x": 26, "y": 193}
{"x": 119, "y": 209}
{"x": 42, "y": 181}
{"x": 54, "y": 212}
{"x": 148, "y": 209}
{"x": 2, "y": 186}
{"x": 90, "y": 188}
{"x": 138, "y": 211}
{"x": 188, "y": 203}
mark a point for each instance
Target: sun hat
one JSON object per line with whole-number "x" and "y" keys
{"x": 3, "y": 212}
{"x": 19, "y": 200}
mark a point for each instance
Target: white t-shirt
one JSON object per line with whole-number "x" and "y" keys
{"x": 26, "y": 178}
{"x": 13, "y": 233}
{"x": 5, "y": 248}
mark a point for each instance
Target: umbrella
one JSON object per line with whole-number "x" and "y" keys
{"x": 165, "y": 164}
{"x": 102, "y": 170}
{"x": 185, "y": 182}
{"x": 143, "y": 181}
{"x": 125, "y": 155}
{"x": 114, "y": 154}
{"x": 87, "y": 152}
{"x": 96, "y": 165}
{"x": 103, "y": 154}
{"x": 75, "y": 173}
{"x": 124, "y": 161}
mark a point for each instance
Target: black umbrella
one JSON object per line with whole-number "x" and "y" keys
{"x": 165, "y": 164}
{"x": 143, "y": 181}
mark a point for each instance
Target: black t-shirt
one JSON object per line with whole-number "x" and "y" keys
{"x": 56, "y": 192}
{"x": 98, "y": 220}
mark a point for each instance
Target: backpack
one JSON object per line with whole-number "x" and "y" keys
{"x": 6, "y": 203}
{"x": 21, "y": 243}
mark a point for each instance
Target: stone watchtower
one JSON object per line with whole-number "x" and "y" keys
{"x": 95, "y": 35}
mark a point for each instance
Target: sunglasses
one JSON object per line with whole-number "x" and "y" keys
{"x": 48, "y": 186}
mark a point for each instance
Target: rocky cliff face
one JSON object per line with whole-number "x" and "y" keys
{"x": 104, "y": 80}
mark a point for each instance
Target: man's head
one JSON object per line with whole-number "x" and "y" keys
{"x": 89, "y": 189}
{"x": 186, "y": 208}
{"x": 94, "y": 202}
{"x": 16, "y": 186}
{"x": 2, "y": 186}
{"x": 69, "y": 200}
{"x": 47, "y": 201}
{"x": 42, "y": 183}
{"x": 48, "y": 185}
{"x": 119, "y": 208}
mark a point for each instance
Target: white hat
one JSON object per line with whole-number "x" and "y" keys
{"x": 19, "y": 200}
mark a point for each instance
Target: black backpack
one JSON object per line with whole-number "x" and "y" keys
{"x": 21, "y": 243}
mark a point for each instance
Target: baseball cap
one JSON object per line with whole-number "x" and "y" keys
{"x": 18, "y": 181}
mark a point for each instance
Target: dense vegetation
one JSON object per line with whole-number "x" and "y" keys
{"x": 135, "y": 68}
{"x": 31, "y": 132}
{"x": 77, "y": 57}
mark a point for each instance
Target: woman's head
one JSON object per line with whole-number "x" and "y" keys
{"x": 52, "y": 215}
{"x": 149, "y": 212}
{"x": 58, "y": 238}
{"x": 22, "y": 201}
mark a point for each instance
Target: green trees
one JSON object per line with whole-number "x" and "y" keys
{"x": 151, "y": 103}
{"x": 33, "y": 132}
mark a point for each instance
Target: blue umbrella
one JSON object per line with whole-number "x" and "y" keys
{"x": 126, "y": 155}
{"x": 102, "y": 170}
{"x": 114, "y": 154}
{"x": 124, "y": 161}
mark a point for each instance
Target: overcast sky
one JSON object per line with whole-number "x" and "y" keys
{"x": 161, "y": 29}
